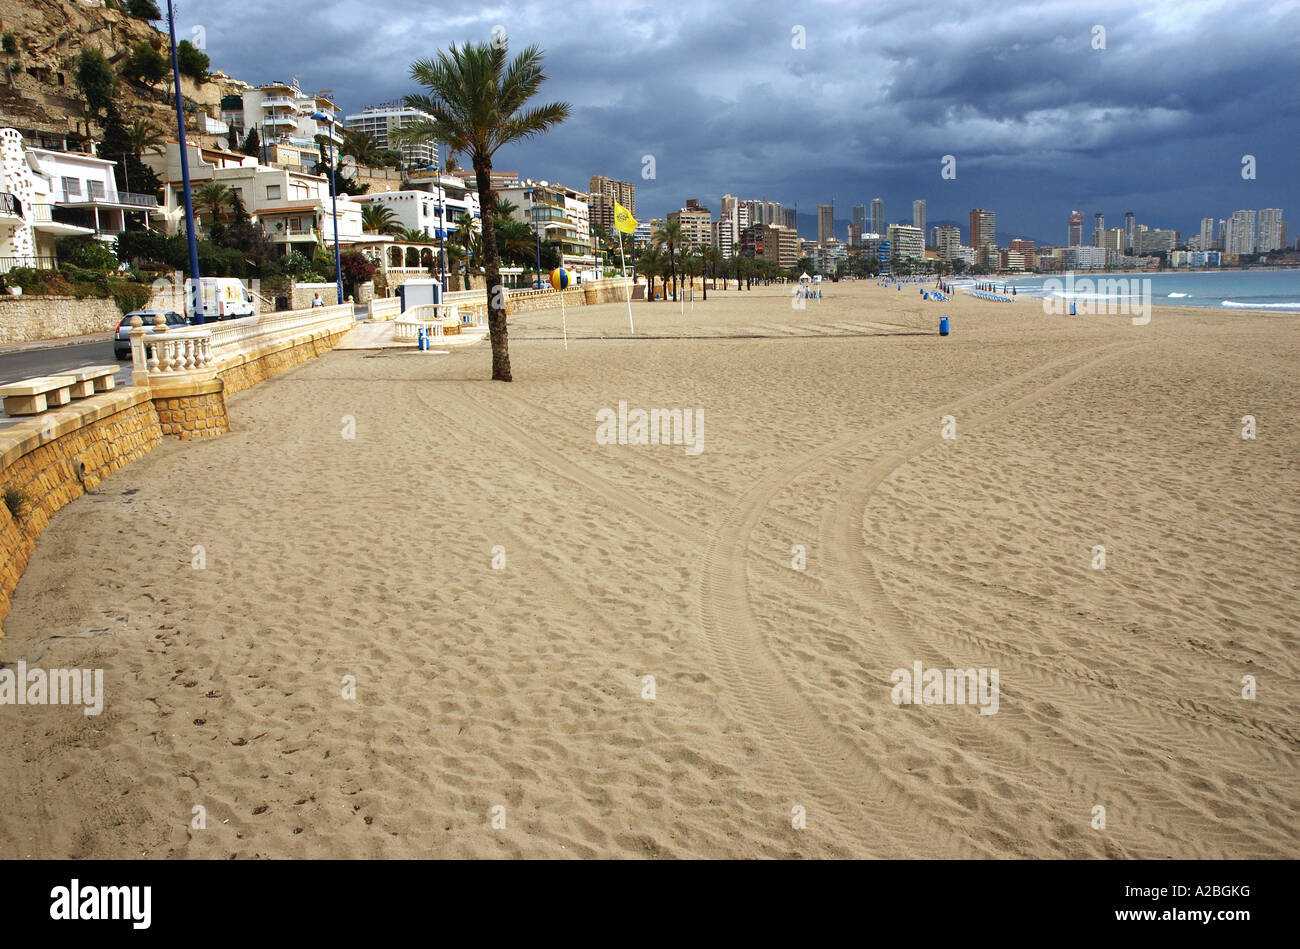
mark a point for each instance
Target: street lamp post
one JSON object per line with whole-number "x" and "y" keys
{"x": 442, "y": 235}
{"x": 196, "y": 285}
{"x": 334, "y": 198}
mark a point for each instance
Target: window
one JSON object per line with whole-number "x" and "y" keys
{"x": 273, "y": 192}
{"x": 238, "y": 193}
{"x": 95, "y": 189}
{"x": 72, "y": 187}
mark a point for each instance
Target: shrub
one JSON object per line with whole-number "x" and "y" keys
{"x": 143, "y": 9}
{"x": 96, "y": 78}
{"x": 9, "y": 43}
{"x": 86, "y": 252}
{"x": 145, "y": 65}
{"x": 192, "y": 61}
{"x": 39, "y": 282}
{"x": 129, "y": 296}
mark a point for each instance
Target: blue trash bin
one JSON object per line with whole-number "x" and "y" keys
{"x": 943, "y": 326}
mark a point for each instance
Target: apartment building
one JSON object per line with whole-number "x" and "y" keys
{"x": 28, "y": 223}
{"x": 697, "y": 224}
{"x": 381, "y": 121}
{"x": 294, "y": 209}
{"x": 283, "y": 112}
{"x": 604, "y": 192}
{"x": 780, "y": 245}
{"x": 84, "y": 192}
{"x": 561, "y": 215}
{"x": 905, "y": 242}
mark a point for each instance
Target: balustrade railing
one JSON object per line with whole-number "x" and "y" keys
{"x": 203, "y": 349}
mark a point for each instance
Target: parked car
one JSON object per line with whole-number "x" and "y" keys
{"x": 122, "y": 338}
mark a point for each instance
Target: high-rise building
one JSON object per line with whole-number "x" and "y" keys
{"x": 780, "y": 245}
{"x": 724, "y": 235}
{"x": 1270, "y": 230}
{"x": 905, "y": 242}
{"x": 1098, "y": 228}
{"x": 1240, "y": 237}
{"x": 983, "y": 228}
{"x": 1130, "y": 229}
{"x": 1076, "y": 229}
{"x": 697, "y": 224}
{"x": 877, "y": 216}
{"x": 790, "y": 219}
{"x": 604, "y": 192}
{"x": 1207, "y": 233}
{"x": 773, "y": 213}
{"x": 380, "y": 121}
{"x": 918, "y": 216}
{"x": 860, "y": 218}
{"x": 825, "y": 223}
{"x": 1113, "y": 239}
{"x": 947, "y": 238}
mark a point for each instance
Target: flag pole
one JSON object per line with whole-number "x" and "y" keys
{"x": 627, "y": 287}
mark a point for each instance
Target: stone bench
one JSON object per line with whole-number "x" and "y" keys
{"x": 91, "y": 379}
{"x": 32, "y": 396}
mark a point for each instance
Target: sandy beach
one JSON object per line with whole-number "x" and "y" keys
{"x": 497, "y": 585}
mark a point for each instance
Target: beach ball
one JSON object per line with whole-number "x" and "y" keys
{"x": 560, "y": 278}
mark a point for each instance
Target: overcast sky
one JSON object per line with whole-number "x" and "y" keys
{"x": 1039, "y": 121}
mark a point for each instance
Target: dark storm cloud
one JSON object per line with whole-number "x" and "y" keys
{"x": 1039, "y": 122}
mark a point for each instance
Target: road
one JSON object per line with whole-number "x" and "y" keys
{"x": 45, "y": 362}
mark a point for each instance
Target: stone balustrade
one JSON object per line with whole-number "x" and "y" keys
{"x": 203, "y": 351}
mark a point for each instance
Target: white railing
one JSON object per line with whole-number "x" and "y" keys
{"x": 205, "y": 351}
{"x": 385, "y": 308}
{"x": 404, "y": 329}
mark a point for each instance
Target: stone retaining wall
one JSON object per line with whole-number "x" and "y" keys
{"x": 26, "y": 319}
{"x": 55, "y": 457}
{"x": 277, "y": 358}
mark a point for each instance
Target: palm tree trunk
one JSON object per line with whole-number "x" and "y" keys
{"x": 496, "y": 297}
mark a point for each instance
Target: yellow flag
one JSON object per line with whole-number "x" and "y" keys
{"x": 623, "y": 219}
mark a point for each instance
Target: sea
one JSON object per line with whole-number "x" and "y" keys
{"x": 1277, "y": 290}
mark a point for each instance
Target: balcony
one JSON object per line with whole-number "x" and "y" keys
{"x": 10, "y": 206}
{"x": 138, "y": 200}
{"x": 40, "y": 263}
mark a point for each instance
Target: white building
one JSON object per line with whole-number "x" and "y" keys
{"x": 432, "y": 208}
{"x": 1083, "y": 258}
{"x": 1239, "y": 236}
{"x": 282, "y": 112}
{"x": 381, "y": 120}
{"x": 294, "y": 209}
{"x": 1270, "y": 230}
{"x": 905, "y": 241}
{"x": 28, "y": 226}
{"x": 561, "y": 215}
{"x": 83, "y": 191}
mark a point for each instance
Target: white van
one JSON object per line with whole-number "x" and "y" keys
{"x": 224, "y": 298}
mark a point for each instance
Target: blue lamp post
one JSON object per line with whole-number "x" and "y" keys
{"x": 196, "y": 285}
{"x": 334, "y": 197}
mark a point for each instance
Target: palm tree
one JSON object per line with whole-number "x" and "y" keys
{"x": 712, "y": 258}
{"x": 145, "y": 137}
{"x": 378, "y": 218}
{"x": 213, "y": 196}
{"x": 670, "y": 237}
{"x": 361, "y": 146}
{"x": 649, "y": 265}
{"x": 413, "y": 235}
{"x": 478, "y": 102}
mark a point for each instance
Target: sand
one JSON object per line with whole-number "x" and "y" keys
{"x": 503, "y": 712}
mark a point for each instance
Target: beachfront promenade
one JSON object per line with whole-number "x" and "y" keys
{"x": 395, "y": 597}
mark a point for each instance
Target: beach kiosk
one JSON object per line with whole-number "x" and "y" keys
{"x": 415, "y": 293}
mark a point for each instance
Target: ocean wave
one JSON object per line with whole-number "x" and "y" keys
{"x": 1180, "y": 294}
{"x": 1261, "y": 306}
